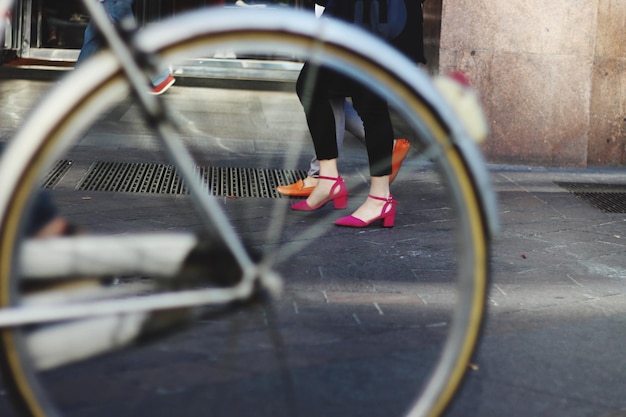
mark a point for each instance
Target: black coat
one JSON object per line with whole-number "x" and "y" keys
{"x": 410, "y": 41}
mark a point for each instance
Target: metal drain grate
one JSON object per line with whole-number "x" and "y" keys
{"x": 610, "y": 198}
{"x": 56, "y": 173}
{"x": 157, "y": 178}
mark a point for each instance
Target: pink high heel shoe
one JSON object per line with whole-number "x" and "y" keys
{"x": 338, "y": 194}
{"x": 387, "y": 214}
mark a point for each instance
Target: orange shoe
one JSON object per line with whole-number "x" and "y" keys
{"x": 400, "y": 149}
{"x": 297, "y": 189}
{"x": 338, "y": 195}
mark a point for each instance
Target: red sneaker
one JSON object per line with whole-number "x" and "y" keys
{"x": 164, "y": 85}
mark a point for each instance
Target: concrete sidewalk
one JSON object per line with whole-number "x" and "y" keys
{"x": 555, "y": 331}
{"x": 556, "y": 328}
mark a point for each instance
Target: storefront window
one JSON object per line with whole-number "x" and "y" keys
{"x": 61, "y": 23}
{"x": 54, "y": 29}
{"x": 58, "y": 24}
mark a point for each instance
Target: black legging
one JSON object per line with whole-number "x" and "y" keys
{"x": 315, "y": 86}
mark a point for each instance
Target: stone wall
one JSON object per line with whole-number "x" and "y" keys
{"x": 552, "y": 75}
{"x": 607, "y": 139}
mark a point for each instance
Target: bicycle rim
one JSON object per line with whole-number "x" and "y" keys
{"x": 453, "y": 332}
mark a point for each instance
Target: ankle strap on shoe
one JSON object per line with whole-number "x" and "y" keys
{"x": 337, "y": 179}
{"x": 387, "y": 199}
{"x": 339, "y": 184}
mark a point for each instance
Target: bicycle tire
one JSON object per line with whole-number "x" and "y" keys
{"x": 84, "y": 95}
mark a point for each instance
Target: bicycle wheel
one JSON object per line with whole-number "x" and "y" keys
{"x": 370, "y": 322}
